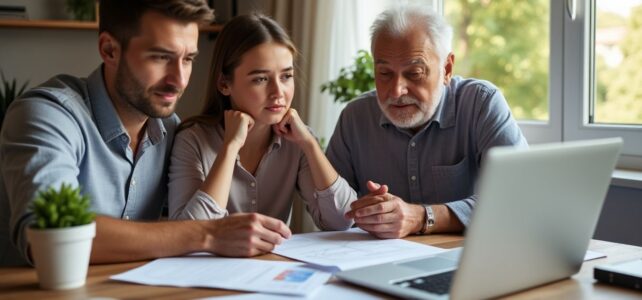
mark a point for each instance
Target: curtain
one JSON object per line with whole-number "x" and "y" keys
{"x": 328, "y": 34}
{"x": 300, "y": 20}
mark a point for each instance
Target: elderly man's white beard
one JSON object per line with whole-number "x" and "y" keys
{"x": 409, "y": 120}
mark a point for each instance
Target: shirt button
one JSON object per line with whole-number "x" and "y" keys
{"x": 126, "y": 217}
{"x": 412, "y": 144}
{"x": 252, "y": 184}
{"x": 413, "y": 177}
{"x": 254, "y": 202}
{"x": 133, "y": 183}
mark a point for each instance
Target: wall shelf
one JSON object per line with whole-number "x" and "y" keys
{"x": 49, "y": 24}
{"x": 74, "y": 25}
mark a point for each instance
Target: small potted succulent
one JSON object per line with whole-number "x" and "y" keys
{"x": 61, "y": 236}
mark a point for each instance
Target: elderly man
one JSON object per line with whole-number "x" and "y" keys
{"x": 421, "y": 135}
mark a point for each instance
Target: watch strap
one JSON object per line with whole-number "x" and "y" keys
{"x": 429, "y": 220}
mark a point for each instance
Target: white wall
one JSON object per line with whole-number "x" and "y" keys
{"x": 38, "y": 54}
{"x": 41, "y": 9}
{"x": 621, "y": 218}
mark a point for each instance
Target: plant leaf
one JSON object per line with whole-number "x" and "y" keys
{"x": 64, "y": 207}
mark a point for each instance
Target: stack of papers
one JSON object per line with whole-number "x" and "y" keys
{"x": 334, "y": 290}
{"x": 337, "y": 250}
{"x": 350, "y": 249}
{"x": 228, "y": 273}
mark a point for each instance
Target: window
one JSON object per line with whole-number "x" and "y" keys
{"x": 511, "y": 44}
{"x": 600, "y": 85}
{"x": 616, "y": 61}
{"x": 569, "y": 69}
{"x": 506, "y": 43}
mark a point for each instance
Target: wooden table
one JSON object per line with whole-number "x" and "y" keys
{"x": 22, "y": 283}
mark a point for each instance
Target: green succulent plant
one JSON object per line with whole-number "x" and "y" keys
{"x": 9, "y": 92}
{"x": 61, "y": 208}
{"x": 353, "y": 80}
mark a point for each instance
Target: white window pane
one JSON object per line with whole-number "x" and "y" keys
{"x": 618, "y": 57}
{"x": 505, "y": 42}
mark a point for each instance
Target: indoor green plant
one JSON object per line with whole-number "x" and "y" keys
{"x": 353, "y": 80}
{"x": 8, "y": 92}
{"x": 82, "y": 10}
{"x": 60, "y": 237}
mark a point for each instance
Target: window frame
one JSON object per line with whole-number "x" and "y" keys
{"x": 570, "y": 86}
{"x": 551, "y": 130}
{"x": 578, "y": 70}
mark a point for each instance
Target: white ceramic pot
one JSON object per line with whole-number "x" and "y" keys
{"x": 61, "y": 255}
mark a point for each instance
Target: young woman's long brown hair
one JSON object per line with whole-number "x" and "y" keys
{"x": 238, "y": 36}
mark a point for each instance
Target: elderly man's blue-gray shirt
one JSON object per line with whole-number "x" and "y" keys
{"x": 67, "y": 130}
{"x": 437, "y": 164}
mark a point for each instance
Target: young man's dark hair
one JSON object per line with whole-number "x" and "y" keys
{"x": 121, "y": 18}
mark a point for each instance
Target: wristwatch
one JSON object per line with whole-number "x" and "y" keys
{"x": 429, "y": 220}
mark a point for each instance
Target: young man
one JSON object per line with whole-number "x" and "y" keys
{"x": 111, "y": 134}
{"x": 423, "y": 132}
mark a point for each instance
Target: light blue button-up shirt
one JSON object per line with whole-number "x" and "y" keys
{"x": 438, "y": 164}
{"x": 67, "y": 130}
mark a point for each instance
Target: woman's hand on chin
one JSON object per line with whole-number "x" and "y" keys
{"x": 293, "y": 129}
{"x": 237, "y": 125}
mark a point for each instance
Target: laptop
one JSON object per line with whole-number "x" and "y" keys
{"x": 536, "y": 214}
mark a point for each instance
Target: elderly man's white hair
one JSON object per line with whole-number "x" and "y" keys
{"x": 400, "y": 19}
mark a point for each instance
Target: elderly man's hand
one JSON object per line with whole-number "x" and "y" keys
{"x": 385, "y": 215}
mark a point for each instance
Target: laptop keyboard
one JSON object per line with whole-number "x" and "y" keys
{"x": 435, "y": 283}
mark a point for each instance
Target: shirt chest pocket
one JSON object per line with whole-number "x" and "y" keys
{"x": 453, "y": 182}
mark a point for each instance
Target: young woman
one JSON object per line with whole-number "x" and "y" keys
{"x": 249, "y": 151}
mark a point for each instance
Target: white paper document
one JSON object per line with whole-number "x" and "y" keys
{"x": 350, "y": 249}
{"x": 328, "y": 291}
{"x": 591, "y": 255}
{"x": 228, "y": 273}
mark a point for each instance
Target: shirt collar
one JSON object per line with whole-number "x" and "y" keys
{"x": 106, "y": 117}
{"x": 276, "y": 141}
{"x": 156, "y": 130}
{"x": 444, "y": 113}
